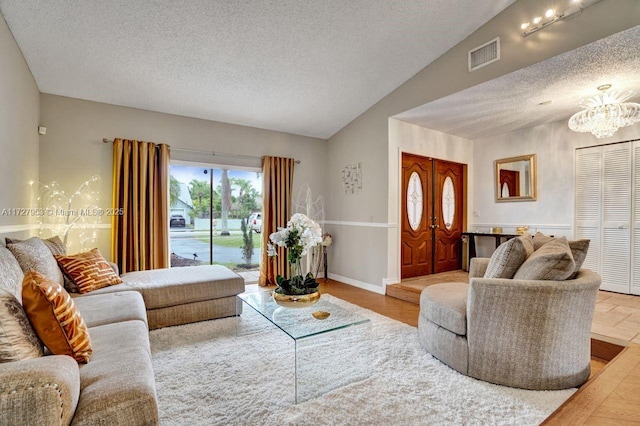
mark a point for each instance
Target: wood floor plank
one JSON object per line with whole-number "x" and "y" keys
{"x": 600, "y": 398}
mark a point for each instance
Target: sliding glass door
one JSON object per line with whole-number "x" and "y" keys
{"x": 215, "y": 216}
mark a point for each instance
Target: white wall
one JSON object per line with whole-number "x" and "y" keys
{"x": 72, "y": 150}
{"x": 19, "y": 115}
{"x": 555, "y": 145}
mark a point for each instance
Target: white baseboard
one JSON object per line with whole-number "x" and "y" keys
{"x": 390, "y": 281}
{"x": 360, "y": 284}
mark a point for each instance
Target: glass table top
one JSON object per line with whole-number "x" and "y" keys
{"x": 299, "y": 323}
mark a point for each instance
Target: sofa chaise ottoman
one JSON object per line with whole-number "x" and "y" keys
{"x": 175, "y": 296}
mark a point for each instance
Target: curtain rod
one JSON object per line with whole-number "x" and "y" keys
{"x": 213, "y": 153}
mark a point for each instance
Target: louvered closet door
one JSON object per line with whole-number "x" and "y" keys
{"x": 589, "y": 203}
{"x": 635, "y": 248}
{"x": 616, "y": 217}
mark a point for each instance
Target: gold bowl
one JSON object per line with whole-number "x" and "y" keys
{"x": 296, "y": 300}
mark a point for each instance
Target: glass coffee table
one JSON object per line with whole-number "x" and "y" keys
{"x": 317, "y": 342}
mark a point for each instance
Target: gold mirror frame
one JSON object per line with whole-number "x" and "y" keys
{"x": 527, "y": 183}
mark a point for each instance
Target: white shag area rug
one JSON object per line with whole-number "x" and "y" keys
{"x": 205, "y": 375}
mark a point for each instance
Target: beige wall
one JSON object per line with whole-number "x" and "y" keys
{"x": 19, "y": 115}
{"x": 366, "y": 139}
{"x": 72, "y": 150}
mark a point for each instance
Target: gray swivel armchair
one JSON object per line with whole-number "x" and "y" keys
{"x": 520, "y": 333}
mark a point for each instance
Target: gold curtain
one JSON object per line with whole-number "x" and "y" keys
{"x": 277, "y": 186}
{"x": 140, "y": 235}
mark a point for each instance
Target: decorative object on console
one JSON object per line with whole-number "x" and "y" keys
{"x": 300, "y": 235}
{"x": 352, "y": 178}
{"x": 604, "y": 114}
{"x": 522, "y": 230}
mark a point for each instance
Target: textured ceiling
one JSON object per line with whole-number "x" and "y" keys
{"x": 306, "y": 67}
{"x": 511, "y": 102}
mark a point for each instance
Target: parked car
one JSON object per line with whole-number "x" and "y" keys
{"x": 255, "y": 222}
{"x": 177, "y": 220}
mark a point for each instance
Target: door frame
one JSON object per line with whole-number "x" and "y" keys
{"x": 465, "y": 200}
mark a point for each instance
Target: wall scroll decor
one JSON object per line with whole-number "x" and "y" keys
{"x": 352, "y": 178}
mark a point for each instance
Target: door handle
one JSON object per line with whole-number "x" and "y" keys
{"x": 435, "y": 226}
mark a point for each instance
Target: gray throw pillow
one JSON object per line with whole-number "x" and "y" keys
{"x": 508, "y": 257}
{"x": 34, "y": 254}
{"x": 552, "y": 261}
{"x": 18, "y": 340}
{"x": 579, "y": 249}
{"x": 11, "y": 274}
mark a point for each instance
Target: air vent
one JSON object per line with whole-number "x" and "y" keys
{"x": 484, "y": 55}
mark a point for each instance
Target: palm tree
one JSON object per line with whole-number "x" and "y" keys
{"x": 200, "y": 192}
{"x": 174, "y": 191}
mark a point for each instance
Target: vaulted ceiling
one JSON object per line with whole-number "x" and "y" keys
{"x": 306, "y": 67}
{"x": 546, "y": 92}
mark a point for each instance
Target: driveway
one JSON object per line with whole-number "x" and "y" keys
{"x": 185, "y": 244}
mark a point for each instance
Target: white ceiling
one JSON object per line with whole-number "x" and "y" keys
{"x": 511, "y": 102}
{"x": 306, "y": 67}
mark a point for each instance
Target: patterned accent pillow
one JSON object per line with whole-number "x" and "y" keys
{"x": 552, "y": 261}
{"x": 56, "y": 246}
{"x": 34, "y": 254}
{"x": 508, "y": 257}
{"x": 18, "y": 340}
{"x": 55, "y": 317}
{"x": 88, "y": 270}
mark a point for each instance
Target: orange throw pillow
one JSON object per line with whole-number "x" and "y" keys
{"x": 88, "y": 270}
{"x": 54, "y": 317}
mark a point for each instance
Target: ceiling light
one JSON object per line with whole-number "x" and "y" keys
{"x": 552, "y": 16}
{"x": 604, "y": 114}
{"x": 524, "y": 26}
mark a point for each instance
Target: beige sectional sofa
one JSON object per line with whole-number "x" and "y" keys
{"x": 116, "y": 386}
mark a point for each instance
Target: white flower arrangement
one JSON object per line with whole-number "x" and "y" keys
{"x": 300, "y": 235}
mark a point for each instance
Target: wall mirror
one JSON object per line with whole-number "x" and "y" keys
{"x": 515, "y": 178}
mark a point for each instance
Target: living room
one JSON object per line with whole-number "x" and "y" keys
{"x": 84, "y": 109}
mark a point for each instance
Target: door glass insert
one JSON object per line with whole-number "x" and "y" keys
{"x": 505, "y": 190}
{"x": 414, "y": 201}
{"x": 448, "y": 202}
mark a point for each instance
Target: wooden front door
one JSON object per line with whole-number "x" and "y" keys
{"x": 448, "y": 215}
{"x": 416, "y": 246}
{"x": 432, "y": 216}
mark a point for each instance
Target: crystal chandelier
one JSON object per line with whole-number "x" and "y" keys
{"x": 604, "y": 114}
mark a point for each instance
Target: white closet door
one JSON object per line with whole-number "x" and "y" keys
{"x": 589, "y": 203}
{"x": 616, "y": 217}
{"x": 635, "y": 248}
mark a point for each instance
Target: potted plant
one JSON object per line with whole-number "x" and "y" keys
{"x": 300, "y": 235}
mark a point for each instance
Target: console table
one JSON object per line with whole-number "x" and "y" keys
{"x": 472, "y": 240}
